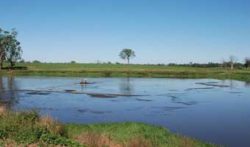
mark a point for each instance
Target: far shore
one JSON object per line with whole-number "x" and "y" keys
{"x": 123, "y": 70}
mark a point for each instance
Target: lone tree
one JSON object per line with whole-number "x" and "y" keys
{"x": 127, "y": 54}
{"x": 232, "y": 60}
{"x": 10, "y": 49}
{"x": 247, "y": 62}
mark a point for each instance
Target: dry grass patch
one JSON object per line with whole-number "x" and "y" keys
{"x": 52, "y": 125}
{"x": 186, "y": 142}
{"x": 100, "y": 140}
{"x": 96, "y": 140}
{"x": 139, "y": 142}
{"x": 3, "y": 109}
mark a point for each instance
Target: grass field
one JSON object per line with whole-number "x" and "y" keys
{"x": 29, "y": 129}
{"x": 121, "y": 70}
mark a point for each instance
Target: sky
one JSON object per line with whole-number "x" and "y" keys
{"x": 159, "y": 31}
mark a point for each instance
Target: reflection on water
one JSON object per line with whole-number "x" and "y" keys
{"x": 8, "y": 94}
{"x": 247, "y": 84}
{"x": 211, "y": 110}
{"x": 2, "y": 88}
{"x": 126, "y": 86}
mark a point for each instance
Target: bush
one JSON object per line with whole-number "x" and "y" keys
{"x": 22, "y": 61}
{"x": 247, "y": 62}
{"x": 28, "y": 127}
{"x": 72, "y": 62}
{"x": 3, "y": 134}
{"x": 36, "y": 61}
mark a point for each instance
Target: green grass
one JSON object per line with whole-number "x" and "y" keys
{"x": 125, "y": 132}
{"x": 121, "y": 70}
{"x": 27, "y": 128}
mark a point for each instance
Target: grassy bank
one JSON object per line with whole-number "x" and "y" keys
{"x": 28, "y": 129}
{"x": 119, "y": 70}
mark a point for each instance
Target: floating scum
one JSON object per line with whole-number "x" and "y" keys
{"x": 84, "y": 82}
{"x": 53, "y": 89}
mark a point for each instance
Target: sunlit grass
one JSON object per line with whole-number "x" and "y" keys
{"x": 28, "y": 128}
{"x": 134, "y": 134}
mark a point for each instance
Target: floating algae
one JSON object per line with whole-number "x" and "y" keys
{"x": 186, "y": 103}
{"x": 168, "y": 108}
{"x": 69, "y": 91}
{"x": 212, "y": 84}
{"x": 93, "y": 111}
{"x": 143, "y": 100}
{"x": 92, "y": 94}
{"x": 38, "y": 93}
{"x": 98, "y": 95}
{"x": 198, "y": 88}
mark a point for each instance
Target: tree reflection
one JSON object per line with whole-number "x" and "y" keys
{"x": 247, "y": 83}
{"x": 232, "y": 84}
{"x": 2, "y": 88}
{"x": 8, "y": 91}
{"x": 126, "y": 87}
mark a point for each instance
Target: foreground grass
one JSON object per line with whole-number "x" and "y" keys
{"x": 120, "y": 70}
{"x": 131, "y": 135}
{"x": 28, "y": 129}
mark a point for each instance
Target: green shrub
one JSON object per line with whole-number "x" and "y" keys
{"x": 58, "y": 140}
{"x": 3, "y": 134}
{"x": 27, "y": 128}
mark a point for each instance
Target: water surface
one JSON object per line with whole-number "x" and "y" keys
{"x": 211, "y": 110}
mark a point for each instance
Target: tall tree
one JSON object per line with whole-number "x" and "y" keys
{"x": 247, "y": 62}
{"x": 127, "y": 54}
{"x": 10, "y": 48}
{"x": 13, "y": 49}
{"x": 3, "y": 42}
{"x": 232, "y": 60}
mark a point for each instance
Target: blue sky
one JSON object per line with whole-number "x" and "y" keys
{"x": 160, "y": 31}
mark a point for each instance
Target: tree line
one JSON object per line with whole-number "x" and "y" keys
{"x": 231, "y": 63}
{"x": 11, "y": 51}
{"x": 10, "y": 48}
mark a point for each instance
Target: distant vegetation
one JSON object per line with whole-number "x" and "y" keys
{"x": 73, "y": 62}
{"x": 131, "y": 70}
{"x": 224, "y": 64}
{"x": 36, "y": 61}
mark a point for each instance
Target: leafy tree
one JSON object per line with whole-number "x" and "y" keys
{"x": 13, "y": 50}
{"x": 247, "y": 62}
{"x": 3, "y": 43}
{"x": 10, "y": 48}
{"x": 127, "y": 54}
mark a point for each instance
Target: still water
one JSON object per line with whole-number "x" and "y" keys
{"x": 212, "y": 110}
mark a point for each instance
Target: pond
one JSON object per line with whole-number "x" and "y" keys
{"x": 216, "y": 111}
